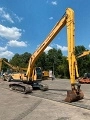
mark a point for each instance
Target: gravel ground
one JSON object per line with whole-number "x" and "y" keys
{"x": 17, "y": 106}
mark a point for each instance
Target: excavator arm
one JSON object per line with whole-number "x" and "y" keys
{"x": 11, "y": 66}
{"x": 68, "y": 20}
{"x": 84, "y": 54}
{"x": 0, "y": 65}
{"x": 60, "y": 24}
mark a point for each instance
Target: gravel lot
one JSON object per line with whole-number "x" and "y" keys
{"x": 17, "y": 106}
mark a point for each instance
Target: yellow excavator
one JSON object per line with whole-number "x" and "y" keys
{"x": 32, "y": 77}
{"x": 6, "y": 76}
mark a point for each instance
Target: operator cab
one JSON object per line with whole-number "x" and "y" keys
{"x": 38, "y": 73}
{"x": 86, "y": 75}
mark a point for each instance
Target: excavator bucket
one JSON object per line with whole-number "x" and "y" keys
{"x": 73, "y": 96}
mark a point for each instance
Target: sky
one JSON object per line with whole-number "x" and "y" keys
{"x": 24, "y": 25}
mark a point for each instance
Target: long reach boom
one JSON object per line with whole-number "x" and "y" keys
{"x": 67, "y": 19}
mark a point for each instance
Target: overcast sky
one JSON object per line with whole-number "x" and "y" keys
{"x": 24, "y": 24}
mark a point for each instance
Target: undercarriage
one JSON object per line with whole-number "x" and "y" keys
{"x": 27, "y": 87}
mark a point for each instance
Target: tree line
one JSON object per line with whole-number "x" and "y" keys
{"x": 53, "y": 60}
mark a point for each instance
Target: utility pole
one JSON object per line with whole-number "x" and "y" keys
{"x": 53, "y": 67}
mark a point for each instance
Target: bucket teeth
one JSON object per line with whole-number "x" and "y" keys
{"x": 73, "y": 96}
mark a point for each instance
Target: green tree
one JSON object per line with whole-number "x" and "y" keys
{"x": 20, "y": 60}
{"x": 41, "y": 62}
{"x": 54, "y": 59}
{"x": 63, "y": 69}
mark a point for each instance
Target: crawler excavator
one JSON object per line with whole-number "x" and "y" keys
{"x": 8, "y": 77}
{"x": 29, "y": 80}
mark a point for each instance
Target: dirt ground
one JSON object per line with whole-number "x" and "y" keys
{"x": 18, "y": 106}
